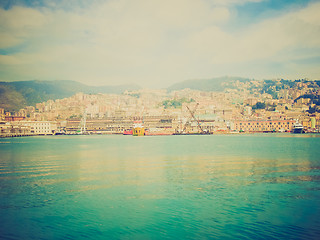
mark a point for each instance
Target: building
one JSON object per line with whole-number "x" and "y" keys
{"x": 263, "y": 125}
{"x": 8, "y": 129}
{"x": 119, "y": 124}
{"x": 38, "y": 127}
{"x": 14, "y": 118}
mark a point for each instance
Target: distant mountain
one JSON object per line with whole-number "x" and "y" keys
{"x": 16, "y": 95}
{"x": 10, "y": 99}
{"x": 212, "y": 84}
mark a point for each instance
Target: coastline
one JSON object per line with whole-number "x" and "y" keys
{"x": 12, "y": 135}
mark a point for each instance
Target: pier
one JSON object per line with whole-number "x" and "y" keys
{"x": 7, "y": 135}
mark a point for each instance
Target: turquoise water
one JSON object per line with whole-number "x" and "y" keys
{"x": 257, "y": 186}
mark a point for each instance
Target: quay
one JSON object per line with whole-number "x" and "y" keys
{"x": 7, "y": 135}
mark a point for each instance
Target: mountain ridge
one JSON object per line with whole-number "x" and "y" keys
{"x": 210, "y": 84}
{"x": 19, "y": 94}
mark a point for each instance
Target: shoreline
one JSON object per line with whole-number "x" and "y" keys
{"x": 12, "y": 135}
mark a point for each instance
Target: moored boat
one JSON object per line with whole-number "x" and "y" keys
{"x": 297, "y": 128}
{"x": 138, "y": 130}
{"x": 127, "y": 132}
{"x": 158, "y": 132}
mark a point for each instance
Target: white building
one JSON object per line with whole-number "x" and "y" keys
{"x": 39, "y": 127}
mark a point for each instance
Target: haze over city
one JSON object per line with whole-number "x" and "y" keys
{"x": 158, "y": 43}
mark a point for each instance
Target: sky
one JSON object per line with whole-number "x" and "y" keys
{"x": 156, "y": 43}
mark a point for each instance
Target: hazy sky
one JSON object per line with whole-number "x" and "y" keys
{"x": 155, "y": 43}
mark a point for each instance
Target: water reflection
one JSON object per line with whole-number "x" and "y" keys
{"x": 135, "y": 164}
{"x": 163, "y": 187}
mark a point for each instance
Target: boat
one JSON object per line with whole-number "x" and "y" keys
{"x": 297, "y": 128}
{"x": 191, "y": 133}
{"x": 158, "y": 132}
{"x": 59, "y": 133}
{"x": 138, "y": 129}
{"x": 127, "y": 132}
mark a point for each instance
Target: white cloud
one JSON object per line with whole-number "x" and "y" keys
{"x": 261, "y": 41}
{"x": 233, "y": 2}
{"x": 18, "y": 24}
{"x": 121, "y": 41}
{"x": 117, "y": 38}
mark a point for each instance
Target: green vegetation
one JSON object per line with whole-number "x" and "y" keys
{"x": 270, "y": 88}
{"x": 136, "y": 95}
{"x": 315, "y": 99}
{"x": 270, "y": 107}
{"x": 262, "y": 105}
{"x": 288, "y": 83}
{"x": 259, "y": 105}
{"x": 176, "y": 103}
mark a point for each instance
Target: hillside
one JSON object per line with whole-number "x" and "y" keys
{"x": 10, "y": 99}
{"x": 16, "y": 95}
{"x": 212, "y": 84}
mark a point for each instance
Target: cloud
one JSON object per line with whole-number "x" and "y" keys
{"x": 267, "y": 39}
{"x": 115, "y": 38}
{"x": 234, "y": 2}
{"x": 19, "y": 24}
{"x": 148, "y": 42}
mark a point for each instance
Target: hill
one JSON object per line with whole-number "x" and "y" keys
{"x": 16, "y": 95}
{"x": 212, "y": 84}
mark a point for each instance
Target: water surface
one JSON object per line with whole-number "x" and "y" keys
{"x": 257, "y": 186}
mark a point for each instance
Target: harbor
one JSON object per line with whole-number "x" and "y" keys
{"x": 149, "y": 126}
{"x": 181, "y": 187}
{"x": 159, "y": 120}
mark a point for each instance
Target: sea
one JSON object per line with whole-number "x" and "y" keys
{"x": 228, "y": 186}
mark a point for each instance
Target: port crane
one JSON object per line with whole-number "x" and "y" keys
{"x": 189, "y": 118}
{"x": 193, "y": 116}
{"x": 192, "y": 112}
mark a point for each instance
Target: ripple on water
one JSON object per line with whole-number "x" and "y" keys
{"x": 216, "y": 187}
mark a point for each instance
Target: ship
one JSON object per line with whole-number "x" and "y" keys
{"x": 138, "y": 129}
{"x": 158, "y": 132}
{"x": 297, "y": 128}
{"x": 127, "y": 132}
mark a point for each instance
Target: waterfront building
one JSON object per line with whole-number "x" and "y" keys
{"x": 8, "y": 129}
{"x": 120, "y": 124}
{"x": 263, "y": 125}
{"x": 310, "y": 123}
{"x": 38, "y": 127}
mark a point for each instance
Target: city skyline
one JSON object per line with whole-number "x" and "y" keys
{"x": 243, "y": 106}
{"x": 158, "y": 43}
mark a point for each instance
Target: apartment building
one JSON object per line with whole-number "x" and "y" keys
{"x": 38, "y": 127}
{"x": 263, "y": 125}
